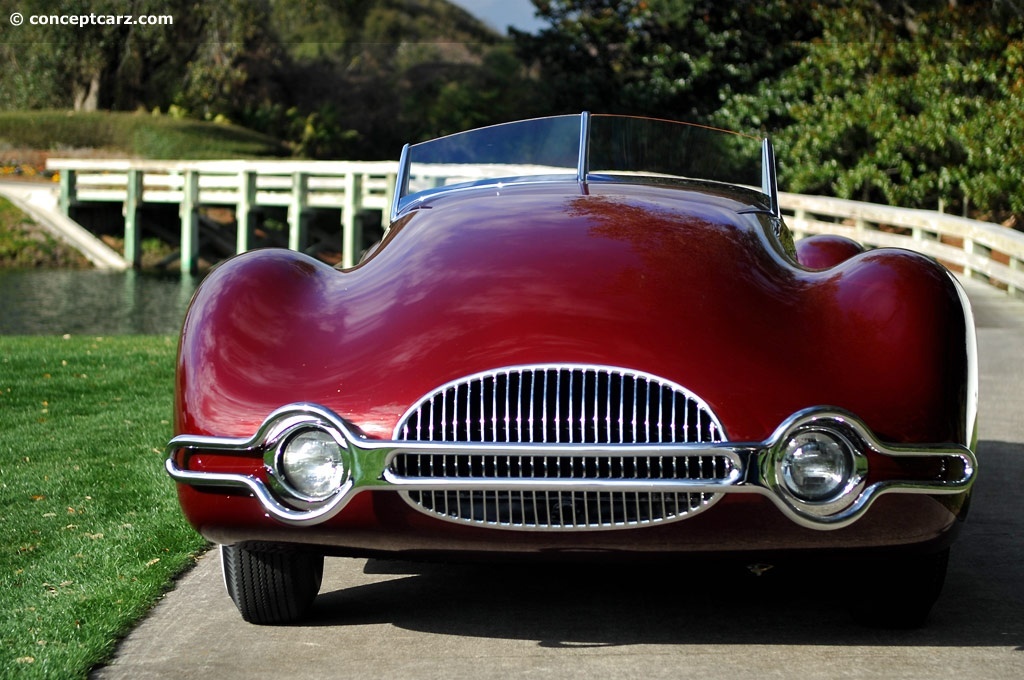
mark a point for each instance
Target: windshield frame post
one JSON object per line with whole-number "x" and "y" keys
{"x": 583, "y": 164}
{"x": 769, "y": 178}
{"x": 401, "y": 183}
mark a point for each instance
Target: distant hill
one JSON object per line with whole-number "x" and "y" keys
{"x": 336, "y": 29}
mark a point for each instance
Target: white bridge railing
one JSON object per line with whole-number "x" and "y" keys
{"x": 981, "y": 250}
{"x": 978, "y": 249}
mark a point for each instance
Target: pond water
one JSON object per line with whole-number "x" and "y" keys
{"x": 89, "y": 302}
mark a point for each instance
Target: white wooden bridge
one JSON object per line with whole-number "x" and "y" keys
{"x": 244, "y": 186}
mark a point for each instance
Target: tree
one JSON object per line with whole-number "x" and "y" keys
{"x": 911, "y": 103}
{"x": 238, "y": 69}
{"x": 383, "y": 73}
{"x": 335, "y": 78}
{"x": 670, "y": 58}
{"x": 95, "y": 63}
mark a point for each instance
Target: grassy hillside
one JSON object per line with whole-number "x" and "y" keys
{"x": 24, "y": 244}
{"x": 138, "y": 135}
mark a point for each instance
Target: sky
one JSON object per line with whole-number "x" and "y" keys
{"x": 500, "y": 14}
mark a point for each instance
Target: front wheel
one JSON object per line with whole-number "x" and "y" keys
{"x": 271, "y": 585}
{"x": 901, "y": 591}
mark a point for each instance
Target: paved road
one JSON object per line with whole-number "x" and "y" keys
{"x": 377, "y": 619}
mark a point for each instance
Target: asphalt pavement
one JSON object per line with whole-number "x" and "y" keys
{"x": 378, "y": 619}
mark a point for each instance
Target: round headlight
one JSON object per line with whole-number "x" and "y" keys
{"x": 312, "y": 464}
{"x": 816, "y": 465}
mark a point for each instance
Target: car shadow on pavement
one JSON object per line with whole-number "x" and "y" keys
{"x": 586, "y": 605}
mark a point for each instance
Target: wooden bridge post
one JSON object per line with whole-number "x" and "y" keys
{"x": 296, "y": 211}
{"x": 244, "y": 210}
{"x": 968, "y": 248}
{"x": 68, "y": 190}
{"x": 799, "y": 221}
{"x": 132, "y": 219}
{"x": 389, "y": 199}
{"x": 190, "y": 222}
{"x": 351, "y": 231}
{"x": 860, "y": 228}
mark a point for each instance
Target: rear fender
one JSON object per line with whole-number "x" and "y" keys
{"x": 823, "y": 251}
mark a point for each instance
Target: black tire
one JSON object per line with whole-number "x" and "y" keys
{"x": 900, "y": 592}
{"x": 271, "y": 586}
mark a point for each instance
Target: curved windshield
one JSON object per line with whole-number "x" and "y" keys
{"x": 586, "y": 147}
{"x": 645, "y": 146}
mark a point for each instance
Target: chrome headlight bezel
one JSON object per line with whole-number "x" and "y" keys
{"x": 851, "y": 459}
{"x": 283, "y": 481}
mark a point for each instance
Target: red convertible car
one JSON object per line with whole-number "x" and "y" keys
{"x": 581, "y": 337}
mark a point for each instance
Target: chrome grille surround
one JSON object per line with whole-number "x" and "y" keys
{"x": 578, "y": 409}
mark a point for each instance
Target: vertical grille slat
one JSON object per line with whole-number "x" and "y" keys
{"x": 560, "y": 405}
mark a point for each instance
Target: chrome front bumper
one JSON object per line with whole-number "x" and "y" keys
{"x": 745, "y": 468}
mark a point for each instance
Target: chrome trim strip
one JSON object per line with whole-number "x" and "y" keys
{"x": 262, "y": 493}
{"x": 971, "y": 345}
{"x": 835, "y": 515}
{"x": 369, "y": 461}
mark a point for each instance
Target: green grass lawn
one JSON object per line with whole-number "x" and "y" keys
{"x": 90, "y": 532}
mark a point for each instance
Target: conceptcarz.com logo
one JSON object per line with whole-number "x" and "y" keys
{"x": 92, "y": 19}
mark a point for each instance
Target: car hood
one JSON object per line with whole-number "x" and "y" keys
{"x": 610, "y": 276}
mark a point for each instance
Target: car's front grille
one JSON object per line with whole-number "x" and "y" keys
{"x": 560, "y": 405}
